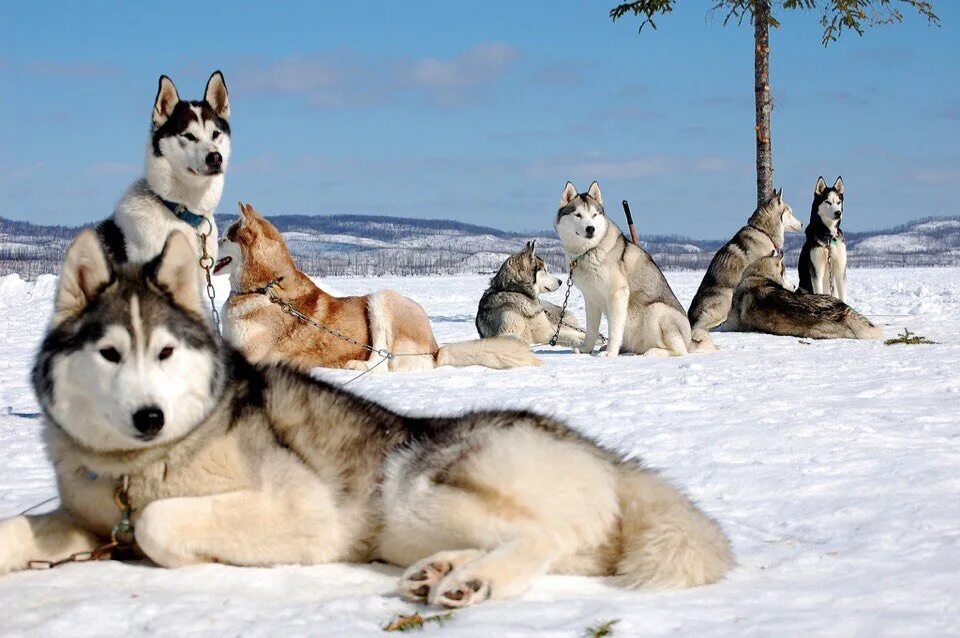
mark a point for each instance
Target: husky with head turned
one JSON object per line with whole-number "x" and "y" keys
{"x": 511, "y": 304}
{"x": 226, "y": 461}
{"x": 823, "y": 258}
{"x": 765, "y": 301}
{"x": 620, "y": 280}
{"x": 187, "y": 156}
{"x": 763, "y": 233}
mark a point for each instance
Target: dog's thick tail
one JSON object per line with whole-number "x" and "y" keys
{"x": 499, "y": 353}
{"x": 700, "y": 341}
{"x": 861, "y": 327}
{"x": 667, "y": 542}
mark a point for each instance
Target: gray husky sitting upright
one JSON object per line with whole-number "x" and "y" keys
{"x": 225, "y": 461}
{"x": 765, "y": 301}
{"x": 620, "y": 279}
{"x": 762, "y": 234}
{"x": 823, "y": 258}
{"x": 511, "y": 304}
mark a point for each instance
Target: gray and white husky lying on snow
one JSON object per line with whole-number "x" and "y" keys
{"x": 765, "y": 301}
{"x": 237, "y": 463}
{"x": 511, "y": 304}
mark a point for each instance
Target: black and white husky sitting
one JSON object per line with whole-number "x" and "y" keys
{"x": 230, "y": 462}
{"x": 823, "y": 258}
{"x": 187, "y": 155}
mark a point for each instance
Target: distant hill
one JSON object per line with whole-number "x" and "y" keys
{"x": 327, "y": 245}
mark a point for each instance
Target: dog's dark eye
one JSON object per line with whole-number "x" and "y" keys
{"x": 111, "y": 354}
{"x": 216, "y": 134}
{"x": 165, "y": 353}
{"x": 191, "y": 137}
{"x": 579, "y": 216}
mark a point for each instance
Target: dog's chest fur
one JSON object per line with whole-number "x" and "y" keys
{"x": 146, "y": 222}
{"x": 218, "y": 466}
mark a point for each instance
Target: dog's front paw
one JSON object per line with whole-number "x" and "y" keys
{"x": 161, "y": 534}
{"x": 14, "y": 533}
{"x": 608, "y": 354}
{"x": 457, "y": 591}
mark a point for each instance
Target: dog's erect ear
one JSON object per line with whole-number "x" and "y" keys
{"x": 779, "y": 195}
{"x": 175, "y": 270}
{"x": 820, "y": 187}
{"x": 85, "y": 272}
{"x": 594, "y": 192}
{"x": 216, "y": 95}
{"x": 838, "y": 185}
{"x": 530, "y": 246}
{"x": 242, "y": 208}
{"x": 167, "y": 98}
{"x": 569, "y": 192}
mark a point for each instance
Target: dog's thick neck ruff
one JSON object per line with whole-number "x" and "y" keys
{"x": 199, "y": 195}
{"x": 183, "y": 213}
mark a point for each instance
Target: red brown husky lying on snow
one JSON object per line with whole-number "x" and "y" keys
{"x": 254, "y": 253}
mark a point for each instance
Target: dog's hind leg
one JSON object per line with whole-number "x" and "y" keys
{"x": 506, "y": 571}
{"x": 419, "y": 578}
{"x": 46, "y": 537}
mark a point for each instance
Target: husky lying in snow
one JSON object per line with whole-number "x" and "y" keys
{"x": 242, "y": 464}
{"x": 619, "y": 279}
{"x": 186, "y": 158}
{"x": 765, "y": 301}
{"x": 823, "y": 258}
{"x": 511, "y": 304}
{"x": 254, "y": 253}
{"x": 762, "y": 234}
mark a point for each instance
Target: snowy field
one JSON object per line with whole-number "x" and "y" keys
{"x": 833, "y": 466}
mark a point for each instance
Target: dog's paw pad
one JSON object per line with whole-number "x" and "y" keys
{"x": 465, "y": 594}
{"x": 415, "y": 584}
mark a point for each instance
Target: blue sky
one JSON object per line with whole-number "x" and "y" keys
{"x": 480, "y": 111}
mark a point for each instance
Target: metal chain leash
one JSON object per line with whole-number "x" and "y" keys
{"x": 121, "y": 535}
{"x": 384, "y": 354}
{"x": 830, "y": 270}
{"x": 207, "y": 264}
{"x": 566, "y": 300}
{"x": 563, "y": 308}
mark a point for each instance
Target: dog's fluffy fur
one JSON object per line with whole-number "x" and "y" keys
{"x": 511, "y": 305}
{"x": 186, "y": 158}
{"x": 764, "y": 302}
{"x": 763, "y": 234}
{"x": 823, "y": 258}
{"x": 254, "y": 253}
{"x": 621, "y": 280}
{"x": 262, "y": 465}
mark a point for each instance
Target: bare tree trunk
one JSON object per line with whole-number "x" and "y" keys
{"x": 761, "y": 86}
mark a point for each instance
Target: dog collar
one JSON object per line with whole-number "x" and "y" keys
{"x": 183, "y": 213}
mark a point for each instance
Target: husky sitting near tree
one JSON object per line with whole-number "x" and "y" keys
{"x": 187, "y": 156}
{"x": 511, "y": 304}
{"x": 159, "y": 430}
{"x": 765, "y": 301}
{"x": 763, "y": 233}
{"x": 254, "y": 253}
{"x": 823, "y": 258}
{"x": 620, "y": 279}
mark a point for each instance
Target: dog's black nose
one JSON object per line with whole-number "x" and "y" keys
{"x": 837, "y": 214}
{"x": 148, "y": 421}
{"x": 214, "y": 160}
{"x": 590, "y": 230}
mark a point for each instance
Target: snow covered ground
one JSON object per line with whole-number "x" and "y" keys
{"x": 834, "y": 467}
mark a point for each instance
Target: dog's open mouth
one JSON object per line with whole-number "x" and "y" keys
{"x": 222, "y": 263}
